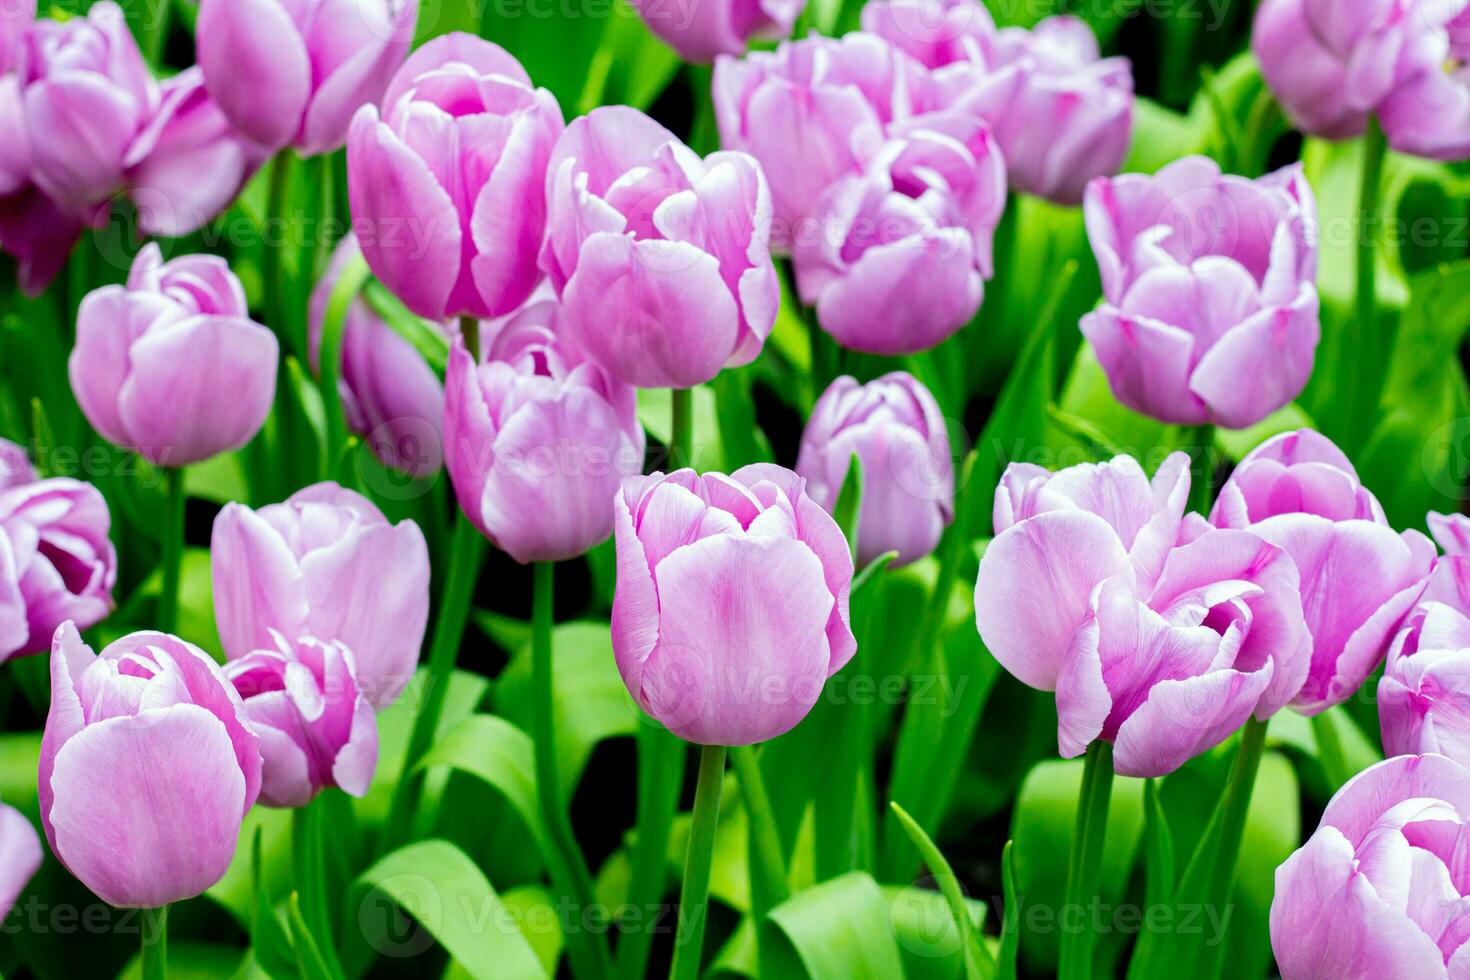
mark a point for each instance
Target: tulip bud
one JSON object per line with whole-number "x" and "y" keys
{"x": 316, "y": 728}
{"x": 894, "y": 427}
{"x": 1359, "y": 578}
{"x": 447, "y": 187}
{"x": 731, "y": 608}
{"x": 293, "y": 73}
{"x": 702, "y": 29}
{"x": 20, "y": 853}
{"x": 1210, "y": 312}
{"x": 661, "y": 259}
{"x": 144, "y": 745}
{"x": 324, "y": 563}
{"x": 539, "y": 440}
{"x": 152, "y": 358}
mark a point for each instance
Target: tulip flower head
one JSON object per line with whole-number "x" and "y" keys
{"x": 1423, "y": 696}
{"x": 147, "y": 768}
{"x": 731, "y": 608}
{"x": 152, "y": 357}
{"x": 20, "y": 855}
{"x": 701, "y": 29}
{"x": 1209, "y": 281}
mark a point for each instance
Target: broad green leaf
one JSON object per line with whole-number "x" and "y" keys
{"x": 838, "y": 930}
{"x": 928, "y": 940}
{"x": 849, "y": 506}
{"x": 949, "y": 887}
{"x": 496, "y": 752}
{"x": 195, "y": 961}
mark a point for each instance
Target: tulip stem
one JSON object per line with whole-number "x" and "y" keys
{"x": 1372, "y": 359}
{"x": 1199, "y": 442}
{"x": 349, "y": 285}
{"x": 273, "y": 285}
{"x": 154, "y": 949}
{"x": 681, "y": 443}
{"x": 768, "y": 886}
{"x": 694, "y": 900}
{"x": 1085, "y": 865}
{"x": 469, "y": 329}
{"x": 587, "y": 948}
{"x": 171, "y": 560}
{"x": 309, "y": 858}
{"x": 1329, "y": 751}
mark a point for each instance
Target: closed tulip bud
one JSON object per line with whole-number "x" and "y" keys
{"x": 698, "y": 31}
{"x": 292, "y": 72}
{"x": 144, "y": 744}
{"x": 16, "y": 17}
{"x": 661, "y": 259}
{"x": 324, "y": 563}
{"x": 152, "y": 358}
{"x": 316, "y": 728}
{"x": 1162, "y": 650}
{"x": 538, "y": 440}
{"x": 893, "y": 426}
{"x": 390, "y": 395}
{"x": 1209, "y": 281}
{"x": 20, "y": 854}
{"x": 57, "y": 562}
{"x": 447, "y": 185}
{"x": 1359, "y": 577}
{"x": 731, "y": 608}
{"x": 1377, "y": 890}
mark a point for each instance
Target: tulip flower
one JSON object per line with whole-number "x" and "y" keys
{"x": 1423, "y": 696}
{"x": 949, "y": 37}
{"x": 1209, "y": 281}
{"x": 1162, "y": 650}
{"x": 700, "y": 31}
{"x": 20, "y": 853}
{"x": 731, "y": 608}
{"x": 447, "y": 185}
{"x": 538, "y": 440}
{"x": 57, "y": 562}
{"x": 894, "y": 427}
{"x": 153, "y": 357}
{"x": 316, "y": 727}
{"x": 1377, "y": 891}
{"x": 144, "y": 744}
{"x": 293, "y": 72}
{"x": 390, "y": 395}
{"x": 1428, "y": 112}
{"x": 1359, "y": 578}
{"x": 16, "y": 17}
{"x": 324, "y": 563}
{"x": 661, "y": 259}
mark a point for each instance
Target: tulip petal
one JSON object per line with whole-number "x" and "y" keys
{"x": 241, "y": 41}
{"x": 1260, "y": 365}
{"x": 1182, "y": 718}
{"x": 257, "y": 582}
{"x": 20, "y": 856}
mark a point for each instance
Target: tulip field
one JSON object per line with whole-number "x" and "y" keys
{"x": 717, "y": 489}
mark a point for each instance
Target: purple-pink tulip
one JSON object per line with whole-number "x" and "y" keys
{"x": 538, "y": 440}
{"x": 147, "y": 768}
{"x": 20, "y": 853}
{"x": 1359, "y": 578}
{"x": 316, "y": 727}
{"x": 702, "y": 29}
{"x": 1163, "y": 649}
{"x": 731, "y": 608}
{"x": 1424, "y": 694}
{"x": 293, "y": 72}
{"x": 390, "y": 395}
{"x": 57, "y": 562}
{"x": 946, "y": 36}
{"x": 894, "y": 427}
{"x": 447, "y": 186}
{"x": 324, "y": 563}
{"x": 1428, "y": 112}
{"x": 16, "y": 17}
{"x": 1379, "y": 889}
{"x": 1210, "y": 310}
{"x": 661, "y": 259}
{"x": 153, "y": 357}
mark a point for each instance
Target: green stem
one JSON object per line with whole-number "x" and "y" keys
{"x": 309, "y": 856}
{"x": 155, "y": 28}
{"x": 587, "y": 948}
{"x": 1085, "y": 865}
{"x": 1372, "y": 365}
{"x": 173, "y": 550}
{"x": 323, "y": 241}
{"x": 273, "y": 284}
{"x": 349, "y": 285}
{"x": 154, "y": 951}
{"x": 1330, "y": 752}
{"x": 681, "y": 445}
{"x": 454, "y": 611}
{"x": 1200, "y": 444}
{"x": 768, "y": 886}
{"x": 694, "y": 900}
{"x": 469, "y": 329}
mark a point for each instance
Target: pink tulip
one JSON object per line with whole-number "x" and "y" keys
{"x": 1359, "y": 577}
{"x": 37, "y": 235}
{"x": 661, "y": 259}
{"x": 701, "y": 30}
{"x": 894, "y": 427}
{"x": 539, "y": 440}
{"x": 57, "y": 562}
{"x": 731, "y": 608}
{"x": 390, "y": 395}
{"x": 447, "y": 186}
{"x": 316, "y": 728}
{"x": 292, "y": 72}
{"x": 324, "y": 563}
{"x": 146, "y": 768}
{"x": 1211, "y": 308}
{"x": 1424, "y": 694}
{"x": 1162, "y": 650}
{"x": 1428, "y": 112}
{"x": 948, "y": 36}
{"x": 153, "y": 357}
{"x": 16, "y": 17}
{"x": 1379, "y": 890}
{"x": 20, "y": 850}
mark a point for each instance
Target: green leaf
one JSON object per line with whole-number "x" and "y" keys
{"x": 309, "y": 961}
{"x": 928, "y": 937}
{"x": 429, "y": 340}
{"x": 837, "y": 930}
{"x": 1158, "y": 846}
{"x": 949, "y": 886}
{"x": 849, "y": 506}
{"x": 194, "y": 961}
{"x": 497, "y": 753}
{"x": 1010, "y": 928}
